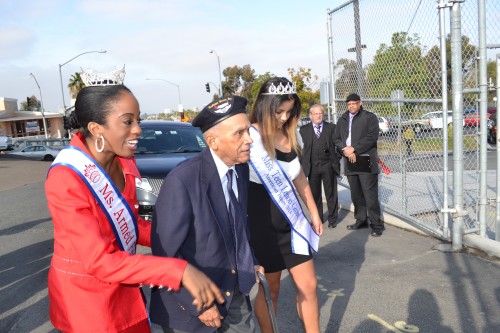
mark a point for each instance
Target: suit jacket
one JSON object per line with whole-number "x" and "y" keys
{"x": 364, "y": 136}
{"x": 307, "y": 134}
{"x": 191, "y": 222}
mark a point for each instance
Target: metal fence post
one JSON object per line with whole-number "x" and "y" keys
{"x": 457, "y": 107}
{"x": 444, "y": 105}
{"x": 483, "y": 106}
{"x": 497, "y": 224}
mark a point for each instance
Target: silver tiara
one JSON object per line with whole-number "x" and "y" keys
{"x": 281, "y": 89}
{"x": 92, "y": 78}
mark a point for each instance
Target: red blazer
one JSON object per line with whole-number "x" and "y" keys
{"x": 93, "y": 286}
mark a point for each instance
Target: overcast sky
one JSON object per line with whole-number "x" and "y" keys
{"x": 165, "y": 39}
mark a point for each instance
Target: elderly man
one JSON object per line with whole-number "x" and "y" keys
{"x": 320, "y": 162}
{"x": 357, "y": 134}
{"x": 200, "y": 216}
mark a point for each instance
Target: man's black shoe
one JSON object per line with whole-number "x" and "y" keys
{"x": 357, "y": 225}
{"x": 332, "y": 225}
{"x": 377, "y": 233}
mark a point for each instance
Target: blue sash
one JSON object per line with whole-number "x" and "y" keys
{"x": 281, "y": 191}
{"x": 115, "y": 207}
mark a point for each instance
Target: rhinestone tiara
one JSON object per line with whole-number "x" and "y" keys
{"x": 92, "y": 78}
{"x": 281, "y": 89}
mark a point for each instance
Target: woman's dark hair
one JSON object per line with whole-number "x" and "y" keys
{"x": 93, "y": 105}
{"x": 264, "y": 110}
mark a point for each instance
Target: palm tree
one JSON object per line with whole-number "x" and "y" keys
{"x": 75, "y": 84}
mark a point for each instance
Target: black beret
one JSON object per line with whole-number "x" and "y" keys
{"x": 352, "y": 97}
{"x": 219, "y": 110}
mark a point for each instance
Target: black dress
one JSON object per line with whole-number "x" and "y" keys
{"x": 270, "y": 233}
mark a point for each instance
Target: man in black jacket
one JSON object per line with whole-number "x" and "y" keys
{"x": 320, "y": 162}
{"x": 356, "y": 135}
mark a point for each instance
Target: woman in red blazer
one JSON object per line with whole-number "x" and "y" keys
{"x": 95, "y": 275}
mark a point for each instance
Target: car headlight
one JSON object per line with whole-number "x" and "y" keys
{"x": 143, "y": 184}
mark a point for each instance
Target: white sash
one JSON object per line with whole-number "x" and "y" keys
{"x": 283, "y": 194}
{"x": 114, "y": 206}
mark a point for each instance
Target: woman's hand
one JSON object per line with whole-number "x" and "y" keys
{"x": 316, "y": 224}
{"x": 203, "y": 290}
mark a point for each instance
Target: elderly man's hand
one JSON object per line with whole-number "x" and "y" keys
{"x": 211, "y": 317}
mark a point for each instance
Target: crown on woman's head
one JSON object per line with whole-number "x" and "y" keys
{"x": 92, "y": 78}
{"x": 281, "y": 89}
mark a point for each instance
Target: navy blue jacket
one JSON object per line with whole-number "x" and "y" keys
{"x": 191, "y": 222}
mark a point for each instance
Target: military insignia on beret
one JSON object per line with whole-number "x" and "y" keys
{"x": 219, "y": 110}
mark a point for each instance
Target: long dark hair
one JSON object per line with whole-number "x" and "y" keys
{"x": 93, "y": 105}
{"x": 264, "y": 110}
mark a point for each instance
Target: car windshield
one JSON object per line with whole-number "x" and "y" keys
{"x": 170, "y": 140}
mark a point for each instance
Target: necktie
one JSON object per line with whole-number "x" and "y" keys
{"x": 318, "y": 131}
{"x": 348, "y": 141}
{"x": 244, "y": 259}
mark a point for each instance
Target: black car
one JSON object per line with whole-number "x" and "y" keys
{"x": 162, "y": 145}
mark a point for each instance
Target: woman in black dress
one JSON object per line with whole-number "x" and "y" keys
{"x": 275, "y": 116}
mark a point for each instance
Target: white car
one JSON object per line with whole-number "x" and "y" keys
{"x": 38, "y": 152}
{"x": 435, "y": 119}
{"x": 384, "y": 125}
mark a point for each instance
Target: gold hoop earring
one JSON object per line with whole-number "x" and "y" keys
{"x": 99, "y": 150}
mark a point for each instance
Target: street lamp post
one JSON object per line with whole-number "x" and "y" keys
{"x": 220, "y": 78}
{"x": 60, "y": 74}
{"x": 41, "y": 106}
{"x": 178, "y": 91}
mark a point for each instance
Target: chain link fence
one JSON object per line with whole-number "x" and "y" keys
{"x": 390, "y": 53}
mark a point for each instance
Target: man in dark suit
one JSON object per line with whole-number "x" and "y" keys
{"x": 356, "y": 135}
{"x": 200, "y": 216}
{"x": 320, "y": 162}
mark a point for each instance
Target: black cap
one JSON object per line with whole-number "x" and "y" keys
{"x": 352, "y": 97}
{"x": 219, "y": 110}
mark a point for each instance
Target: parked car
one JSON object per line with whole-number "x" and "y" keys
{"x": 418, "y": 125}
{"x": 59, "y": 143}
{"x": 37, "y": 152}
{"x": 384, "y": 125}
{"x": 162, "y": 145}
{"x": 435, "y": 119}
{"x": 473, "y": 118}
{"x": 6, "y": 142}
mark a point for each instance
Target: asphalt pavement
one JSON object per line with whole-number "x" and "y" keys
{"x": 400, "y": 282}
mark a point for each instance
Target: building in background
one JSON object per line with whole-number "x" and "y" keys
{"x": 20, "y": 124}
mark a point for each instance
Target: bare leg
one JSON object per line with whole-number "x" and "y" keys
{"x": 261, "y": 311}
{"x": 304, "y": 277}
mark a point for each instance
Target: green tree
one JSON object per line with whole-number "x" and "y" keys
{"x": 346, "y": 81}
{"x": 304, "y": 79}
{"x": 433, "y": 64}
{"x": 35, "y": 104}
{"x": 238, "y": 80}
{"x": 75, "y": 84}
{"x": 398, "y": 66}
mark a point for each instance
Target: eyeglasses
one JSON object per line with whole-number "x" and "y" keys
{"x": 353, "y": 103}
